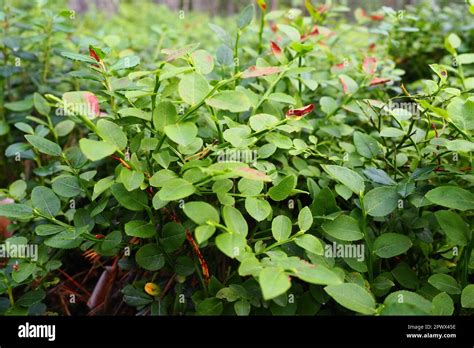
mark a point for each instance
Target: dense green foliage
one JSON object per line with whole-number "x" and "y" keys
{"x": 284, "y": 162}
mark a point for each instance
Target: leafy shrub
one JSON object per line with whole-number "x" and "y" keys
{"x": 283, "y": 169}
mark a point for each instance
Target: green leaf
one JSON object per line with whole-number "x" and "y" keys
{"x": 160, "y": 177}
{"x": 242, "y": 307}
{"x": 203, "y": 61}
{"x": 250, "y": 187}
{"x": 259, "y": 209}
{"x": 134, "y": 112}
{"x": 112, "y": 133}
{"x": 234, "y": 220}
{"x": 391, "y": 132}
{"x": 141, "y": 229}
{"x": 454, "y": 226}
{"x": 201, "y": 212}
{"x": 173, "y": 236}
{"x": 305, "y": 219}
{"x": 133, "y": 200}
{"x": 381, "y": 201}
{"x": 131, "y": 179}
{"x": 68, "y": 239}
{"x": 63, "y": 128}
{"x": 233, "y": 101}
{"x": 391, "y": 244}
{"x": 25, "y": 269}
{"x": 44, "y": 145}
{"x": 446, "y": 283}
{"x": 182, "y": 133}
{"x": 175, "y": 189}
{"x": 378, "y": 176}
{"x": 210, "y": 306}
{"x": 273, "y": 282}
{"x": 126, "y": 62}
{"x": 246, "y": 16}
{"x": 346, "y": 177}
{"x": 310, "y": 243}
{"x": 78, "y": 57}
{"x": 353, "y": 297}
{"x": 102, "y": 185}
{"x": 48, "y": 229}
{"x": 281, "y": 98}
{"x": 451, "y": 197}
{"x": 262, "y": 121}
{"x": 31, "y": 298}
{"x": 281, "y": 228}
{"x": 467, "y": 296}
{"x": 443, "y": 304}
{"x": 460, "y": 145}
{"x": 366, "y": 146}
{"x": 67, "y": 186}
{"x": 466, "y": 58}
{"x": 283, "y": 189}
{"x": 292, "y": 33}
{"x": 45, "y": 201}
{"x": 112, "y": 240}
{"x": 203, "y": 233}
{"x": 17, "y": 189}
{"x": 193, "y": 88}
{"x": 404, "y": 297}
{"x": 41, "y": 105}
{"x": 328, "y": 105}
{"x": 164, "y": 115}
{"x": 317, "y": 274}
{"x": 150, "y": 257}
{"x": 231, "y": 244}
{"x": 461, "y": 113}
{"x": 343, "y": 228}
{"x": 16, "y": 211}
{"x": 440, "y": 70}
{"x": 96, "y": 150}
{"x": 135, "y": 297}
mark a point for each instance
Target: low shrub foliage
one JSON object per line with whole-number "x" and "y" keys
{"x": 285, "y": 164}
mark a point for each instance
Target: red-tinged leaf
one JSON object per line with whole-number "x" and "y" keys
{"x": 255, "y": 71}
{"x": 262, "y": 4}
{"x": 7, "y": 201}
{"x": 370, "y": 65}
{"x": 82, "y": 103}
{"x": 340, "y": 66}
{"x": 378, "y": 81}
{"x": 298, "y": 113}
{"x": 4, "y": 222}
{"x": 314, "y": 31}
{"x": 377, "y": 17}
{"x": 93, "y": 54}
{"x": 173, "y": 54}
{"x": 273, "y": 27}
{"x": 252, "y": 174}
{"x": 372, "y": 47}
{"x": 344, "y": 86}
{"x": 93, "y": 102}
{"x": 322, "y": 43}
{"x": 322, "y": 9}
{"x": 275, "y": 48}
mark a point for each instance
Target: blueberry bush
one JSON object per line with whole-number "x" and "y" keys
{"x": 293, "y": 161}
